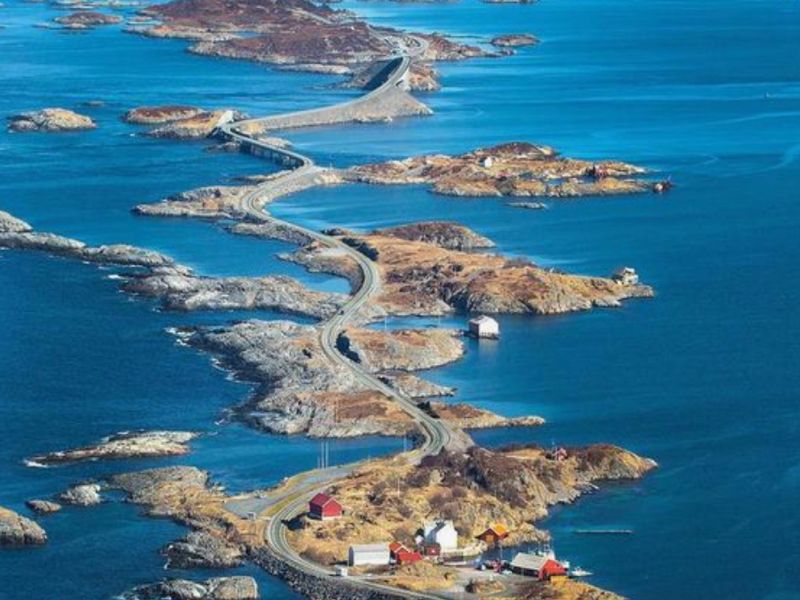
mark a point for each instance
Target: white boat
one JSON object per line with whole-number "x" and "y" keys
{"x": 578, "y": 572}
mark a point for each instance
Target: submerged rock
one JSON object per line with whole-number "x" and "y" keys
{"x": 50, "y": 120}
{"x": 16, "y": 530}
{"x": 124, "y": 445}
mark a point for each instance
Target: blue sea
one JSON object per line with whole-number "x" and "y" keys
{"x": 703, "y": 378}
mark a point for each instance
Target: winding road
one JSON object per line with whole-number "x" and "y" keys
{"x": 436, "y": 433}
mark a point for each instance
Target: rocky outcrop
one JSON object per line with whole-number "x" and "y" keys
{"x": 143, "y": 444}
{"x": 158, "y": 115}
{"x": 273, "y": 231}
{"x": 217, "y": 588}
{"x": 415, "y": 387}
{"x": 511, "y": 169}
{"x": 200, "y": 126}
{"x": 514, "y": 40}
{"x": 300, "y": 390}
{"x": 49, "y": 120}
{"x": 213, "y": 202}
{"x": 186, "y": 292}
{"x": 161, "y": 491}
{"x": 87, "y": 19}
{"x": 439, "y": 233}
{"x": 420, "y": 278}
{"x": 201, "y": 550}
{"x": 84, "y": 494}
{"x": 44, "y": 507}
{"x": 403, "y": 350}
{"x": 467, "y": 416}
{"x": 11, "y": 224}
{"x": 16, "y": 530}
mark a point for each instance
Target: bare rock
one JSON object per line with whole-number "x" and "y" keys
{"x": 124, "y": 445}
{"x": 218, "y": 588}
{"x": 200, "y": 550}
{"x": 11, "y": 224}
{"x": 515, "y": 40}
{"x": 85, "y": 494}
{"x": 157, "y": 115}
{"x": 50, "y": 120}
{"x": 16, "y": 530}
{"x": 439, "y": 233}
{"x": 43, "y": 506}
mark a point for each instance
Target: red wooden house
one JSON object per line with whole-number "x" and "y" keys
{"x": 324, "y": 507}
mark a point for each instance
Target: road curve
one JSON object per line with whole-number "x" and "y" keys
{"x": 436, "y": 433}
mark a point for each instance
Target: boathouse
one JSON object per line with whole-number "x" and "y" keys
{"x": 484, "y": 327}
{"x": 493, "y": 534}
{"x": 542, "y": 567}
{"x": 368, "y": 554}
{"x": 324, "y": 507}
{"x": 626, "y": 276}
{"x": 442, "y": 534}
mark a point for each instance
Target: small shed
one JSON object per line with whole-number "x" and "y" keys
{"x": 368, "y": 554}
{"x": 324, "y": 507}
{"x": 484, "y": 327}
{"x": 626, "y": 276}
{"x": 441, "y": 533}
{"x": 539, "y": 566}
{"x": 494, "y": 533}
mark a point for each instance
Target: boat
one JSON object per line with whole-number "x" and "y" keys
{"x": 579, "y": 572}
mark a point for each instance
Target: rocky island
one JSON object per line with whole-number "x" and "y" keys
{"x": 87, "y": 19}
{"x": 510, "y": 169}
{"x": 49, "y": 120}
{"x": 515, "y": 40}
{"x": 217, "y": 588}
{"x": 16, "y": 530}
{"x": 143, "y": 444}
{"x": 422, "y": 278}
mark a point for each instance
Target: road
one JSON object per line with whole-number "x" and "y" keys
{"x": 436, "y": 433}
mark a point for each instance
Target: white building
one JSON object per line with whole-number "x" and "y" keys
{"x": 368, "y": 554}
{"x": 442, "y": 533}
{"x": 484, "y": 327}
{"x": 626, "y": 276}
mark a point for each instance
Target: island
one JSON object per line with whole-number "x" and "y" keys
{"x": 49, "y": 120}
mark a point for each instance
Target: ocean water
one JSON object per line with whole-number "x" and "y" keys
{"x": 703, "y": 378}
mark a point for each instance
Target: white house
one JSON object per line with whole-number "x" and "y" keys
{"x": 368, "y": 554}
{"x": 626, "y": 276}
{"x": 442, "y": 533}
{"x": 484, "y": 327}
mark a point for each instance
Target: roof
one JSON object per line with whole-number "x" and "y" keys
{"x": 498, "y": 529}
{"x": 381, "y": 547}
{"x": 623, "y": 270}
{"x": 532, "y": 562}
{"x": 322, "y": 500}
{"x": 483, "y": 319}
{"x": 433, "y": 527}
{"x": 395, "y": 546}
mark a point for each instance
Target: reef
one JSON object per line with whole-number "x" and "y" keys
{"x": 49, "y": 120}
{"x": 143, "y": 444}
{"x": 510, "y": 169}
{"x": 16, "y": 530}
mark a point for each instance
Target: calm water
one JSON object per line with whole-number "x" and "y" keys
{"x": 702, "y": 378}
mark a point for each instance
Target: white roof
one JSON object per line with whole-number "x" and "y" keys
{"x": 533, "y": 562}
{"x": 483, "y": 319}
{"x": 382, "y": 547}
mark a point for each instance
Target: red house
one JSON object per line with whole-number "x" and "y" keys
{"x": 536, "y": 565}
{"x": 552, "y": 568}
{"x": 406, "y": 557}
{"x": 324, "y": 507}
{"x": 395, "y": 548}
